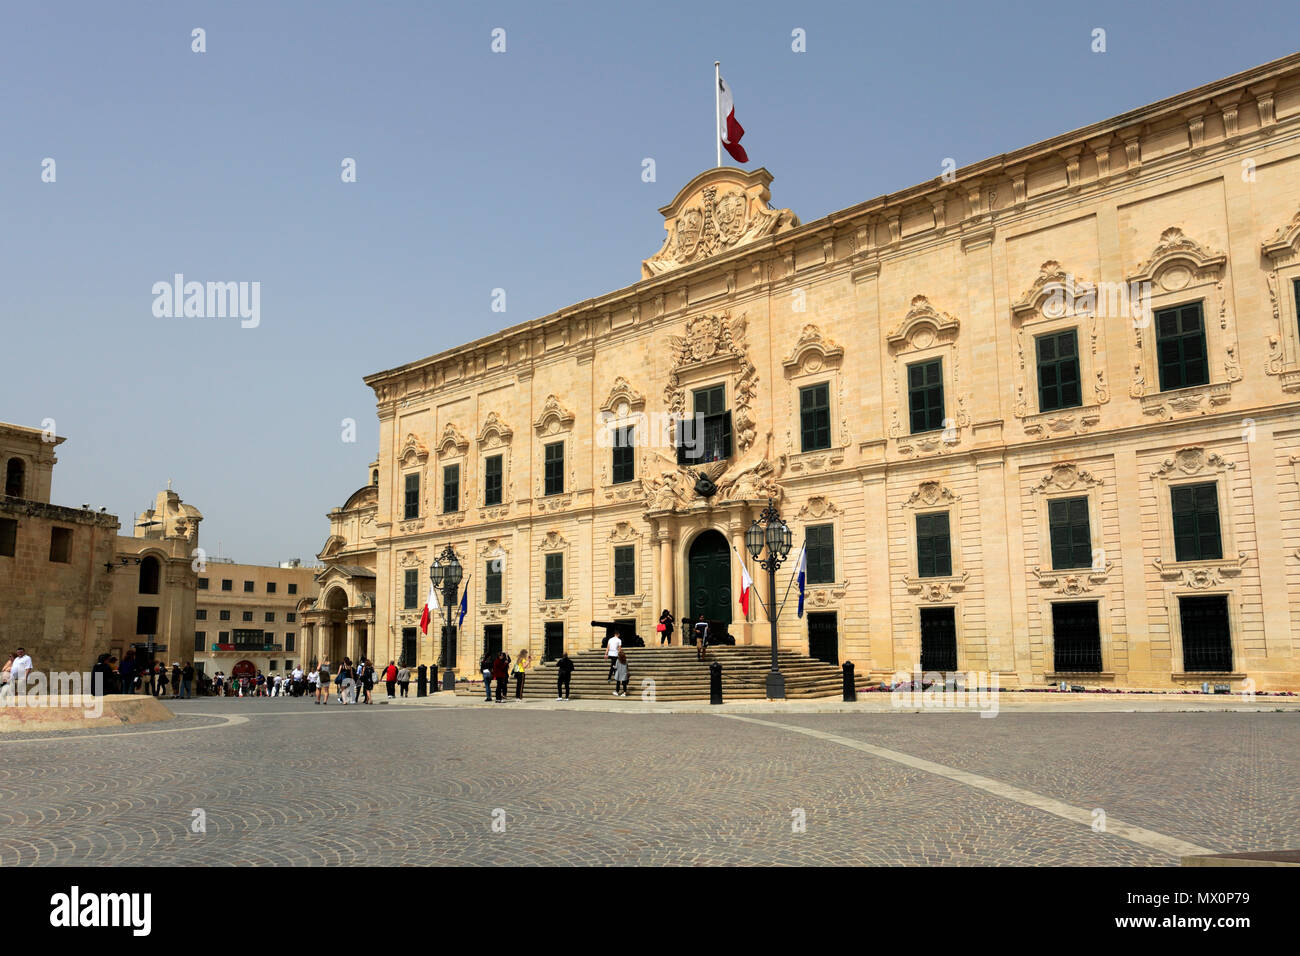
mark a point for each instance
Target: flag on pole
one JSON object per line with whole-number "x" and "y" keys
{"x": 464, "y": 605}
{"x": 802, "y": 569}
{"x": 746, "y": 584}
{"x": 430, "y": 608}
{"x": 729, "y": 131}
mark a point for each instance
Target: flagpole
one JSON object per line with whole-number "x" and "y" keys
{"x": 717, "y": 107}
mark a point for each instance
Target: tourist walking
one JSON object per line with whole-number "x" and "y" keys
{"x": 18, "y": 671}
{"x": 612, "y": 647}
{"x": 403, "y": 679}
{"x": 665, "y": 627}
{"x": 563, "y": 674}
{"x": 485, "y": 666}
{"x": 366, "y": 681}
{"x": 390, "y": 678}
{"x": 323, "y": 683}
{"x": 522, "y": 663}
{"x": 701, "y": 637}
{"x": 347, "y": 682}
{"x": 187, "y": 680}
{"x": 501, "y": 671}
{"x": 620, "y": 674}
{"x": 160, "y": 680}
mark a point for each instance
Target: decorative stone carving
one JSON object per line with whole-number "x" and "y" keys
{"x": 1192, "y": 461}
{"x": 1203, "y": 576}
{"x": 622, "y": 399}
{"x": 720, "y": 339}
{"x": 925, "y": 327}
{"x": 1064, "y": 477}
{"x": 715, "y": 212}
{"x": 936, "y": 589}
{"x": 494, "y": 431}
{"x": 1075, "y": 581}
{"x": 813, "y": 352}
{"x": 413, "y": 450}
{"x": 452, "y": 442}
{"x": 929, "y": 494}
{"x": 818, "y": 507}
{"x": 1283, "y": 251}
{"x": 553, "y": 417}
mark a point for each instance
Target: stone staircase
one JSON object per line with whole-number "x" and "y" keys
{"x": 678, "y": 675}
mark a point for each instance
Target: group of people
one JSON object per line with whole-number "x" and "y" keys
{"x": 498, "y": 667}
{"x": 111, "y": 676}
{"x": 700, "y": 632}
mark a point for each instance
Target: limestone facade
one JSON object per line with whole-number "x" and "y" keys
{"x": 56, "y": 577}
{"x": 249, "y": 617}
{"x": 1086, "y": 347}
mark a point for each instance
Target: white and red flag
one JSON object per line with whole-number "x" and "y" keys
{"x": 729, "y": 131}
{"x": 746, "y": 585}
{"x": 430, "y": 607}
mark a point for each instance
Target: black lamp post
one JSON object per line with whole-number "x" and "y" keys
{"x": 446, "y": 574}
{"x": 769, "y": 531}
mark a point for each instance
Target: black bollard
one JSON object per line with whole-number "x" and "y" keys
{"x": 850, "y": 687}
{"x": 715, "y": 683}
{"x": 433, "y": 678}
{"x": 421, "y": 681}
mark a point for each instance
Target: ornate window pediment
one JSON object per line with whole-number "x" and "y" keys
{"x": 623, "y": 398}
{"x": 414, "y": 451}
{"x": 494, "y": 432}
{"x": 713, "y": 346}
{"x": 815, "y": 359}
{"x": 933, "y": 496}
{"x": 813, "y": 353}
{"x": 1064, "y": 477}
{"x": 1180, "y": 270}
{"x": 1068, "y": 480}
{"x": 452, "y": 444}
{"x": 1187, "y": 466}
{"x": 1283, "y": 251}
{"x": 927, "y": 333}
{"x": 553, "y": 418}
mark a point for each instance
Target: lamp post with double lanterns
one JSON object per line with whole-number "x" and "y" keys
{"x": 445, "y": 576}
{"x": 770, "y": 532}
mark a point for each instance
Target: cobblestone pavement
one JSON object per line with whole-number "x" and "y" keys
{"x": 286, "y": 782}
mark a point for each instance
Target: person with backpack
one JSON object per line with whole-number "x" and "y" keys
{"x": 563, "y": 674}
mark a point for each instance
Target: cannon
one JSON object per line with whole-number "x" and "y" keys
{"x": 629, "y": 640}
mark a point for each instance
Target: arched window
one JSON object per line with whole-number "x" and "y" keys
{"x": 374, "y": 477}
{"x": 149, "y": 569}
{"x": 15, "y": 471}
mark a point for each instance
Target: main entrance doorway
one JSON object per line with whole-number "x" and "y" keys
{"x": 709, "y": 582}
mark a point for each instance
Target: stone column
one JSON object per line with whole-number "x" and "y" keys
{"x": 666, "y": 575}
{"x": 354, "y": 644}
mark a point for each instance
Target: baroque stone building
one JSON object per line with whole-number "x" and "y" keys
{"x": 1037, "y": 417}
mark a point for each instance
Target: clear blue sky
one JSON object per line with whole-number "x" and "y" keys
{"x": 475, "y": 170}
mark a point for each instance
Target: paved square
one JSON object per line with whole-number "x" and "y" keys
{"x": 286, "y": 782}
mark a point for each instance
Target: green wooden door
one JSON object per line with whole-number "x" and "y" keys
{"x": 710, "y": 578}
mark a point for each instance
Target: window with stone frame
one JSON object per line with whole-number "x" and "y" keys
{"x": 1058, "y": 370}
{"x": 1180, "y": 347}
{"x": 450, "y": 489}
{"x": 8, "y": 537}
{"x": 493, "y": 474}
{"x": 553, "y": 464}
{"x": 1070, "y": 530}
{"x": 61, "y": 545}
{"x": 933, "y": 545}
{"x": 623, "y": 455}
{"x": 492, "y": 582}
{"x": 815, "y": 417}
{"x": 925, "y": 396}
{"x": 411, "y": 588}
{"x": 412, "y": 501}
{"x": 1195, "y": 515}
{"x": 1282, "y": 250}
{"x": 554, "y": 576}
{"x": 625, "y": 569}
{"x": 820, "y": 542}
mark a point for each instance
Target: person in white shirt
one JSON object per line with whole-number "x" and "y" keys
{"x": 611, "y": 651}
{"x": 19, "y": 670}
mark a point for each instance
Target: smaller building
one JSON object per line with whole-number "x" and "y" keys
{"x": 55, "y": 562}
{"x": 247, "y": 616}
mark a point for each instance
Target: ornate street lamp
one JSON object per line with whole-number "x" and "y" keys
{"x": 446, "y": 574}
{"x": 770, "y": 532}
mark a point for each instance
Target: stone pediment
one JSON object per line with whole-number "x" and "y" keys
{"x": 715, "y": 212}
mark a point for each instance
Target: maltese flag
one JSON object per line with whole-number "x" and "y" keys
{"x": 430, "y": 606}
{"x": 728, "y": 129}
{"x": 746, "y": 585}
